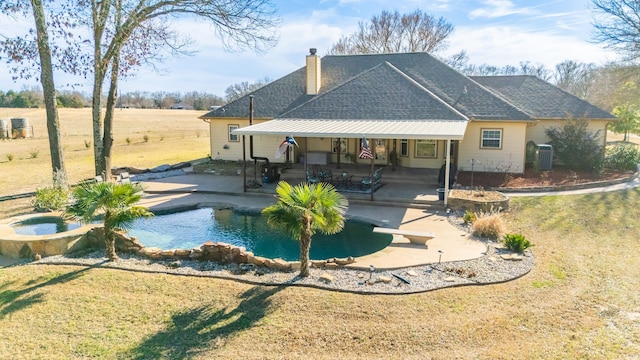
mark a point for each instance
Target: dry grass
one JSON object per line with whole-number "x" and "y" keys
{"x": 172, "y": 136}
{"x": 488, "y": 226}
{"x": 580, "y": 301}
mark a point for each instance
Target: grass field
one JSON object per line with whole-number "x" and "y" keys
{"x": 172, "y": 136}
{"x": 581, "y": 301}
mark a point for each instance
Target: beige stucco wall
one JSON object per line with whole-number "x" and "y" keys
{"x": 510, "y": 158}
{"x": 263, "y": 146}
{"x": 536, "y": 132}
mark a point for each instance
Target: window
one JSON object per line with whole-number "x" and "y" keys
{"x": 404, "y": 147}
{"x": 491, "y": 139}
{"x": 233, "y": 137}
{"x": 426, "y": 148}
{"x": 343, "y": 143}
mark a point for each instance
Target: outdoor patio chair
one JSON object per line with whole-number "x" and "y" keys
{"x": 376, "y": 178}
{"x": 326, "y": 175}
{"x": 311, "y": 179}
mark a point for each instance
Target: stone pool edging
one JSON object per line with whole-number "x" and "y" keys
{"x": 18, "y": 246}
{"x": 219, "y": 252}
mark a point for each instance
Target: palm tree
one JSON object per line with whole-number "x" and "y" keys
{"x": 304, "y": 209}
{"x": 116, "y": 202}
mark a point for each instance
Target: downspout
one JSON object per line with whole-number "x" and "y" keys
{"x": 255, "y": 158}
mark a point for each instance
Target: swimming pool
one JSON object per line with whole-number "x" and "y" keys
{"x": 43, "y": 225}
{"x": 190, "y": 229}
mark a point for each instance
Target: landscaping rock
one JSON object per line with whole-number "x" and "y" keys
{"x": 326, "y": 277}
{"x": 160, "y": 168}
{"x": 167, "y": 254}
{"x": 347, "y": 261}
{"x": 174, "y": 264}
{"x": 279, "y": 264}
{"x": 182, "y": 254}
{"x": 319, "y": 263}
{"x": 511, "y": 257}
{"x": 450, "y": 279}
{"x": 412, "y": 273}
{"x": 384, "y": 279}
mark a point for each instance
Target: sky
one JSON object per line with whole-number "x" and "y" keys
{"x": 495, "y": 32}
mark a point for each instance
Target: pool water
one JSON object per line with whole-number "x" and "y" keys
{"x": 44, "y": 225}
{"x": 190, "y": 229}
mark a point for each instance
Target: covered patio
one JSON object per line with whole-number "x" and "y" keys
{"x": 419, "y": 129}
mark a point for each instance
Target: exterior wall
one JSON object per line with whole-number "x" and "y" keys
{"x": 537, "y": 134}
{"x": 263, "y": 146}
{"x": 428, "y": 163}
{"x": 510, "y": 158}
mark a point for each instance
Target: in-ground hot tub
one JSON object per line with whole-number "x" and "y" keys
{"x": 45, "y": 234}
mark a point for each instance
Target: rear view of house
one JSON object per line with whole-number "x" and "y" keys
{"x": 410, "y": 107}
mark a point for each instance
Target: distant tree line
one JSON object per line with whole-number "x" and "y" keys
{"x": 136, "y": 99}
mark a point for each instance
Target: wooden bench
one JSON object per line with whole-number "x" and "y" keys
{"x": 414, "y": 236}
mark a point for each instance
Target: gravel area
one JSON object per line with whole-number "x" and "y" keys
{"x": 488, "y": 269}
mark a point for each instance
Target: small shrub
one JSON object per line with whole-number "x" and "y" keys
{"x": 145, "y": 138}
{"x": 469, "y": 217}
{"x": 10, "y": 157}
{"x": 161, "y": 137}
{"x": 52, "y": 198}
{"x": 622, "y": 157}
{"x": 516, "y": 242}
{"x": 34, "y": 154}
{"x": 488, "y": 227}
{"x": 575, "y": 146}
{"x": 128, "y": 140}
{"x": 87, "y": 144}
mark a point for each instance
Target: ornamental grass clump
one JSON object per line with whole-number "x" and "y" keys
{"x": 516, "y": 242}
{"x": 489, "y": 226}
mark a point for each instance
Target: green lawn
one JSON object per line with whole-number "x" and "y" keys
{"x": 580, "y": 301}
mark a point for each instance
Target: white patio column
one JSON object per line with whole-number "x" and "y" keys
{"x": 447, "y": 172}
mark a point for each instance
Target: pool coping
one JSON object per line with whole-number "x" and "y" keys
{"x": 13, "y": 244}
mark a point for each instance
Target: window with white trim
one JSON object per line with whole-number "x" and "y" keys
{"x": 233, "y": 137}
{"x": 491, "y": 139}
{"x": 426, "y": 149}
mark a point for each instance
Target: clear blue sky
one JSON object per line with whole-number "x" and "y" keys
{"x": 497, "y": 32}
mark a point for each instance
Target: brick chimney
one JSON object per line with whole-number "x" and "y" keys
{"x": 313, "y": 72}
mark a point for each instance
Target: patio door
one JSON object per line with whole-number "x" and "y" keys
{"x": 381, "y": 152}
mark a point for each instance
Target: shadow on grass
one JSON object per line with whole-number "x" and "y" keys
{"x": 202, "y": 328}
{"x": 15, "y": 300}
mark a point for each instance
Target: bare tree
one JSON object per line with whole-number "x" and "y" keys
{"x": 39, "y": 49}
{"x": 236, "y": 91}
{"x": 241, "y": 24}
{"x": 391, "y": 32}
{"x": 129, "y": 33}
{"x": 617, "y": 26}
{"x": 574, "y": 77}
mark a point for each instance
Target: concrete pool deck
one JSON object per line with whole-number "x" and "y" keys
{"x": 449, "y": 243}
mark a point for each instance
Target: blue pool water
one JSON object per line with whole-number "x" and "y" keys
{"x": 190, "y": 229}
{"x": 44, "y": 225}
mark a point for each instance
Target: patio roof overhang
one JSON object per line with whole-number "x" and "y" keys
{"x": 381, "y": 129}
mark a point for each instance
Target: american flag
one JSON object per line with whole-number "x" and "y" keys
{"x": 365, "y": 151}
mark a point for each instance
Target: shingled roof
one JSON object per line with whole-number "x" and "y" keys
{"x": 540, "y": 99}
{"x": 406, "y": 86}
